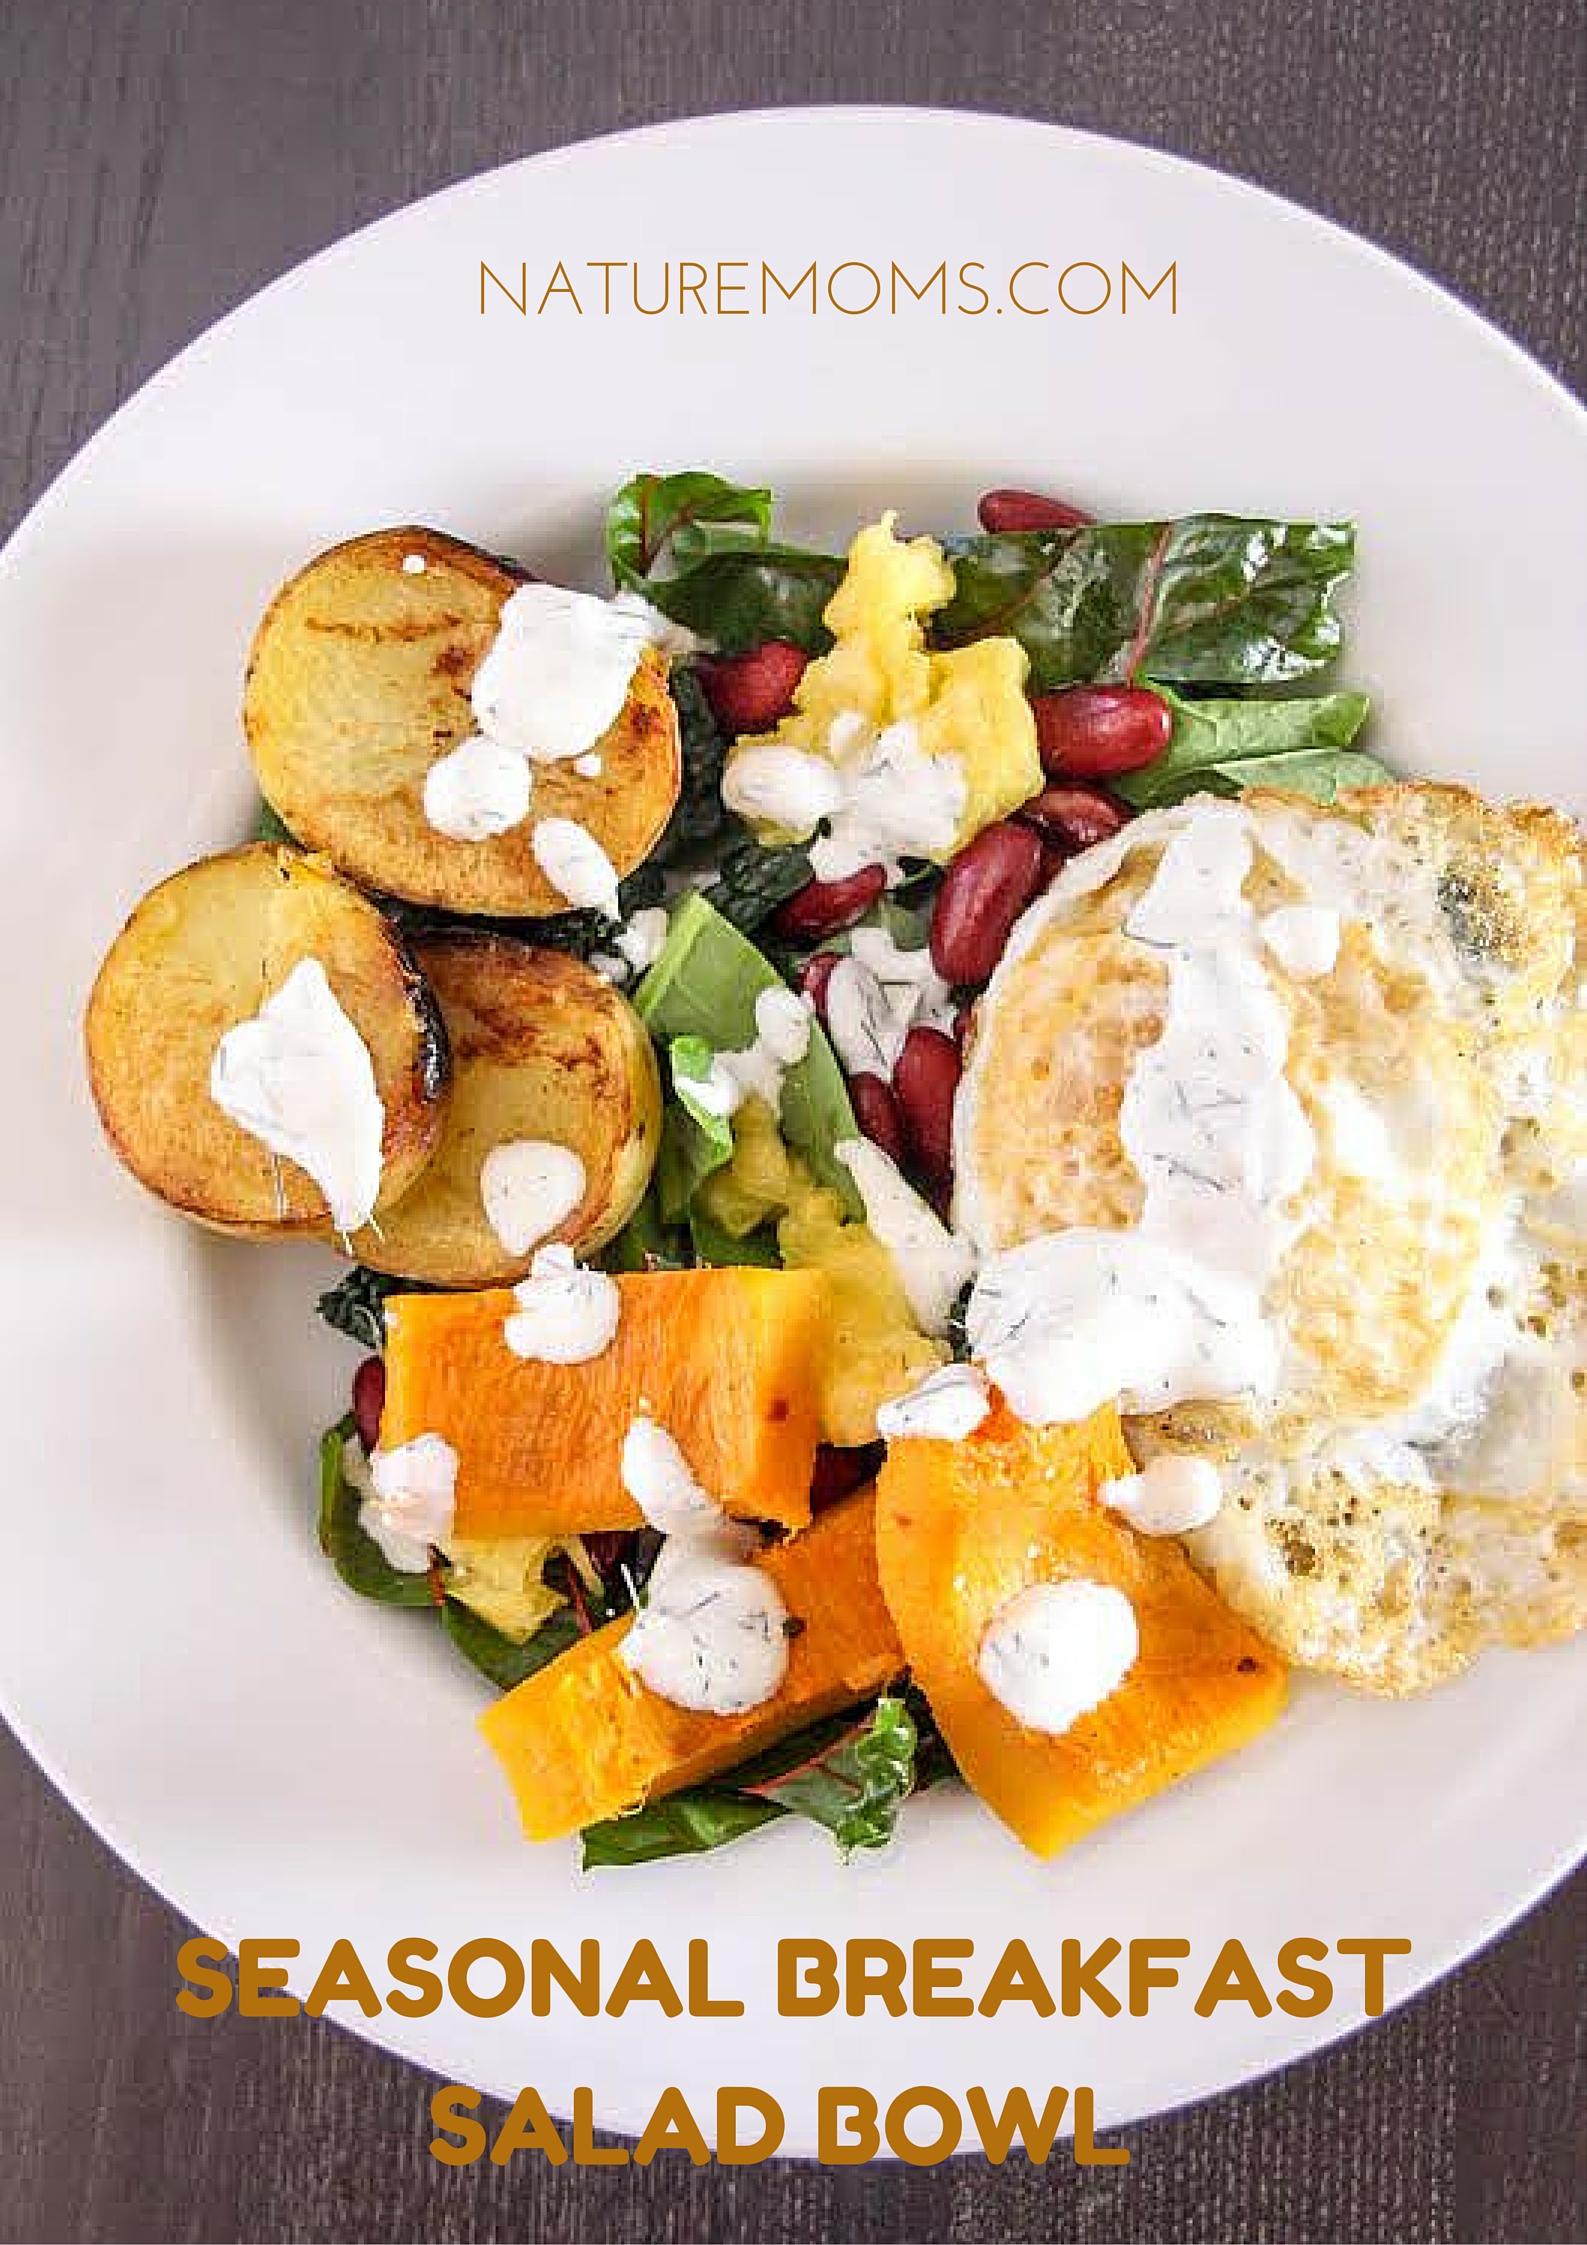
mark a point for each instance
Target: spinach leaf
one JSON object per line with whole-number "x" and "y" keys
{"x": 700, "y": 549}
{"x": 647, "y": 1242}
{"x": 1210, "y": 599}
{"x": 691, "y": 1059}
{"x": 1223, "y": 745}
{"x": 356, "y": 1304}
{"x": 357, "y": 1558}
{"x": 751, "y": 880}
{"x": 851, "y": 1775}
{"x": 713, "y": 1243}
{"x": 705, "y": 984}
{"x": 497, "y": 1657}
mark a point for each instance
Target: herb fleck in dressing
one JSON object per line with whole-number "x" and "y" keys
{"x": 1171, "y": 1309}
{"x": 712, "y": 1635}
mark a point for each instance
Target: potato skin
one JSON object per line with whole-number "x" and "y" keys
{"x": 358, "y": 681}
{"x": 542, "y": 1048}
{"x": 199, "y": 954}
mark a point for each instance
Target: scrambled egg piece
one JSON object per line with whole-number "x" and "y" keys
{"x": 875, "y": 1350}
{"x": 502, "y": 1578}
{"x": 1416, "y": 1487}
{"x": 969, "y": 703}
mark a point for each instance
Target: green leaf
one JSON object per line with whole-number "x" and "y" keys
{"x": 690, "y": 1823}
{"x": 497, "y": 1657}
{"x": 700, "y": 549}
{"x": 699, "y": 816}
{"x": 1228, "y": 744}
{"x": 1208, "y": 600}
{"x": 356, "y": 1304}
{"x": 646, "y": 1242}
{"x": 705, "y": 984}
{"x": 852, "y": 1775}
{"x": 751, "y": 880}
{"x": 654, "y": 515}
{"x": 270, "y": 826}
{"x": 357, "y": 1558}
{"x": 691, "y": 1059}
{"x": 857, "y": 1784}
{"x": 713, "y": 1243}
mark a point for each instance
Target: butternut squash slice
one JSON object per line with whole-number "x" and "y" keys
{"x": 583, "y": 1739}
{"x": 963, "y": 1527}
{"x": 725, "y": 1360}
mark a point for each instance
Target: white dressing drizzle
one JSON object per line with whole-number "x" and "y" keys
{"x": 640, "y": 943}
{"x": 1304, "y": 938}
{"x": 876, "y": 995}
{"x": 413, "y": 565}
{"x": 299, "y": 1078}
{"x": 1057, "y": 1650}
{"x": 528, "y": 1186}
{"x": 412, "y": 1501}
{"x": 945, "y": 1406}
{"x": 477, "y": 790}
{"x": 712, "y": 1635}
{"x": 932, "y": 1263}
{"x": 881, "y": 796}
{"x": 1171, "y": 1308}
{"x": 565, "y": 1314}
{"x": 575, "y": 865}
{"x": 1168, "y": 1497}
{"x": 589, "y": 767}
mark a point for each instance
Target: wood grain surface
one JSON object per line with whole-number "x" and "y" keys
{"x": 160, "y": 159}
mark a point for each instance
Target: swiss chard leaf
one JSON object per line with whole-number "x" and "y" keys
{"x": 1224, "y": 745}
{"x": 700, "y": 549}
{"x": 1209, "y": 599}
{"x": 851, "y": 1775}
{"x": 357, "y": 1558}
{"x": 657, "y": 523}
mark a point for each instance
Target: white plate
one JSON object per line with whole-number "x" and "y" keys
{"x": 280, "y": 1759}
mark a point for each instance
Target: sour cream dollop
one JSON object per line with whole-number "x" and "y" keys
{"x": 529, "y": 1186}
{"x": 299, "y": 1078}
{"x": 479, "y": 789}
{"x": 564, "y": 1314}
{"x": 558, "y": 672}
{"x": 412, "y": 1501}
{"x": 712, "y": 1635}
{"x": 575, "y": 865}
{"x": 1057, "y": 1650}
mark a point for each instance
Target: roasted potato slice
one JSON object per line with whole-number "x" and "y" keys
{"x": 359, "y": 681}
{"x": 202, "y": 952}
{"x": 542, "y": 1048}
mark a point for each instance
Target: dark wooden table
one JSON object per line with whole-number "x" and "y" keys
{"x": 163, "y": 158}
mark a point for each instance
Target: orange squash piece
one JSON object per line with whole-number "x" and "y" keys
{"x": 584, "y": 1739}
{"x": 963, "y": 1527}
{"x": 725, "y": 1360}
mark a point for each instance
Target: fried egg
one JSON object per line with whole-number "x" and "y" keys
{"x": 1412, "y": 1484}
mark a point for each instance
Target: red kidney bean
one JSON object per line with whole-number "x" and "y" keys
{"x": 838, "y": 1473}
{"x": 747, "y": 693}
{"x": 1072, "y": 816}
{"x": 925, "y": 1079}
{"x": 983, "y": 893}
{"x": 823, "y": 908}
{"x": 1091, "y": 732}
{"x": 876, "y": 1112}
{"x": 369, "y": 1400}
{"x": 1028, "y": 510}
{"x": 814, "y": 976}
